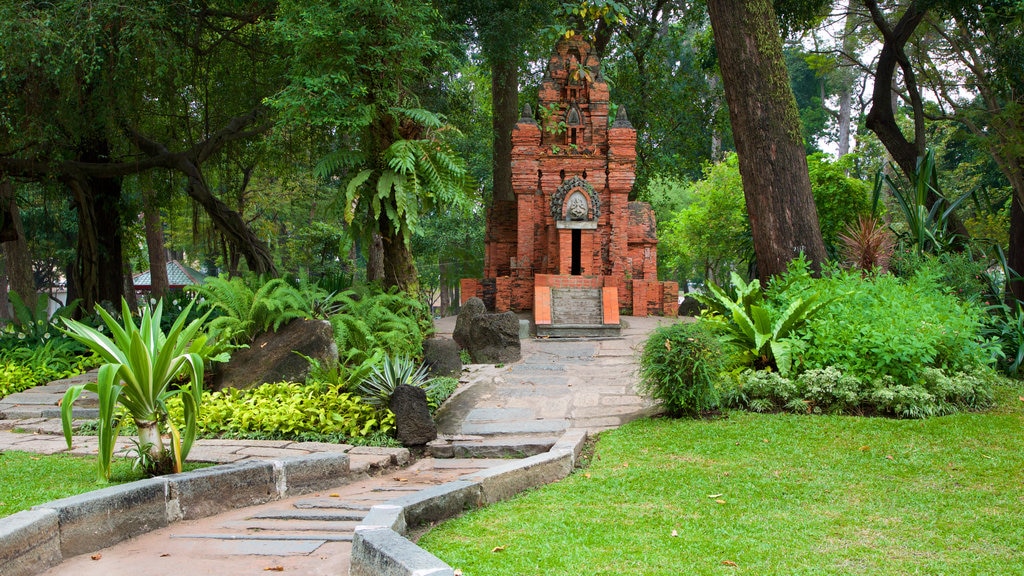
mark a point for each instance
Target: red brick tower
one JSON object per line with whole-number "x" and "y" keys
{"x": 571, "y": 224}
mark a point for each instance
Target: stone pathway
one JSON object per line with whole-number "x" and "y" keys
{"x": 497, "y": 412}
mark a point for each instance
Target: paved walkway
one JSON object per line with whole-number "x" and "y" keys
{"x": 498, "y": 411}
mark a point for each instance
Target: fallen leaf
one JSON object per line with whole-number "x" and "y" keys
{"x": 587, "y": 475}
{"x": 274, "y": 569}
{"x": 457, "y": 572}
{"x": 33, "y": 458}
{"x": 986, "y": 457}
{"x": 96, "y": 556}
{"x": 498, "y": 549}
{"x": 164, "y": 555}
{"x": 397, "y": 479}
{"x": 334, "y": 495}
{"x": 675, "y": 534}
{"x": 720, "y": 501}
{"x": 668, "y": 345}
{"x": 777, "y": 473}
{"x": 625, "y": 464}
{"x": 766, "y": 441}
{"x": 889, "y": 457}
{"x": 714, "y": 495}
{"x": 1021, "y": 398}
{"x": 865, "y": 448}
{"x": 725, "y": 473}
{"x": 728, "y": 563}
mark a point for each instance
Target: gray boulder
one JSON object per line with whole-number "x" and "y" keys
{"x": 441, "y": 356}
{"x": 494, "y": 339}
{"x": 690, "y": 307}
{"x": 470, "y": 310}
{"x": 272, "y": 357}
{"x": 413, "y": 424}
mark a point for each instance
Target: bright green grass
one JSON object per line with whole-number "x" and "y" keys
{"x": 799, "y": 495}
{"x": 30, "y": 479}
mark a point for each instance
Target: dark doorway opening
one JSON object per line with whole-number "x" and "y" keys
{"x": 576, "y": 242}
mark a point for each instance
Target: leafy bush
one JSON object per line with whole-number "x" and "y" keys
{"x": 14, "y": 378}
{"x": 828, "y": 390}
{"x": 679, "y": 366}
{"x": 440, "y": 389}
{"x": 391, "y": 322}
{"x": 887, "y": 326}
{"x": 287, "y": 410}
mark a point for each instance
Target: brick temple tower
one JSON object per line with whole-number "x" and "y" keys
{"x": 571, "y": 246}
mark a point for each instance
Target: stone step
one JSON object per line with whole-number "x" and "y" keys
{"x": 492, "y": 447}
{"x": 286, "y": 526}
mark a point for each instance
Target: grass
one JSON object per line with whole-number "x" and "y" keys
{"x": 30, "y": 479}
{"x": 769, "y": 494}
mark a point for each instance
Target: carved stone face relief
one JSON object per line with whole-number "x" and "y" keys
{"x": 577, "y": 208}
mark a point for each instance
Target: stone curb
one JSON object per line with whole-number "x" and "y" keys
{"x": 379, "y": 546}
{"x": 35, "y": 540}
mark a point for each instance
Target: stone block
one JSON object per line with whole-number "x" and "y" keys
{"x": 383, "y": 552}
{"x": 503, "y": 482}
{"x": 303, "y": 474}
{"x": 439, "y": 502}
{"x": 208, "y": 491}
{"x": 385, "y": 516}
{"x": 29, "y": 542}
{"x": 101, "y": 518}
{"x": 397, "y": 456}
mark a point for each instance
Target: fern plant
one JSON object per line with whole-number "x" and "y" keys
{"x": 244, "y": 313}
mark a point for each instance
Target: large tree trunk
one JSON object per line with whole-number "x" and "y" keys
{"x": 155, "y": 248}
{"x": 766, "y": 128}
{"x": 504, "y": 115}
{"x": 16, "y": 254}
{"x": 1015, "y": 254}
{"x": 99, "y": 264}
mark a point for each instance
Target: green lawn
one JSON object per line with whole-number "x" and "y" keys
{"x": 769, "y": 494}
{"x": 30, "y": 479}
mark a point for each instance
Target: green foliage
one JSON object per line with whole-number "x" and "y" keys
{"x": 711, "y": 236}
{"x": 963, "y": 274}
{"x": 288, "y": 410}
{"x": 840, "y": 200}
{"x": 831, "y": 391}
{"x": 440, "y": 389}
{"x": 746, "y": 320}
{"x": 373, "y": 323}
{"x": 243, "y": 312}
{"x": 14, "y": 378}
{"x": 141, "y": 362}
{"x": 679, "y": 366}
{"x": 884, "y": 326}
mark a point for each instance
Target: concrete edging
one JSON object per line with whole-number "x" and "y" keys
{"x": 35, "y": 540}
{"x": 379, "y": 546}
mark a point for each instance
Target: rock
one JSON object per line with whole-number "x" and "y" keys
{"x": 413, "y": 424}
{"x": 494, "y": 338}
{"x": 441, "y": 356}
{"x": 471, "y": 309}
{"x": 690, "y": 307}
{"x": 272, "y": 357}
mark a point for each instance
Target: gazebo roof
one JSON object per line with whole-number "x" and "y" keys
{"x": 178, "y": 276}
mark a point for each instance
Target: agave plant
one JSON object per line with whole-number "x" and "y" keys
{"x": 141, "y": 364}
{"x": 377, "y": 388}
{"x": 747, "y": 323}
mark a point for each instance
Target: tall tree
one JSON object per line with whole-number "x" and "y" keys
{"x": 766, "y": 128}
{"x": 394, "y": 156}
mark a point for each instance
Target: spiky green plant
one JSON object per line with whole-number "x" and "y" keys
{"x": 141, "y": 364}
{"x": 377, "y": 388}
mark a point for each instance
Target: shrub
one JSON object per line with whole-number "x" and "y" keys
{"x": 243, "y": 313}
{"x": 377, "y": 388}
{"x": 829, "y": 390}
{"x": 15, "y": 378}
{"x": 679, "y": 366}
{"x": 287, "y": 410}
{"x": 887, "y": 326}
